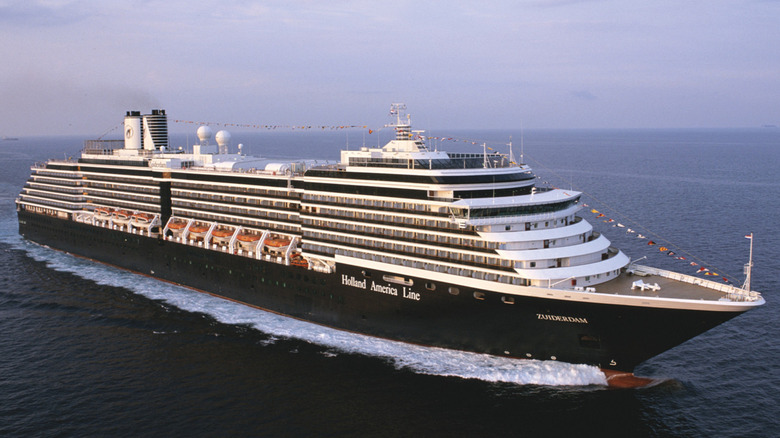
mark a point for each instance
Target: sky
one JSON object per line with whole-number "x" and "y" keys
{"x": 75, "y": 67}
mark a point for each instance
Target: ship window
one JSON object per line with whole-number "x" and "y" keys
{"x": 398, "y": 280}
{"x": 430, "y": 286}
{"x": 479, "y": 295}
{"x": 454, "y": 290}
{"x": 508, "y": 300}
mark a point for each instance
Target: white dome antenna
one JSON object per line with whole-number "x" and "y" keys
{"x": 204, "y": 135}
{"x": 223, "y": 140}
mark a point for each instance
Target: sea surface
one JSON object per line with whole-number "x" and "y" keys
{"x": 89, "y": 350}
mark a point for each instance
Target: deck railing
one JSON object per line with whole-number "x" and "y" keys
{"x": 734, "y": 293}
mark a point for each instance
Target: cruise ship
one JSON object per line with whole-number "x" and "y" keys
{"x": 405, "y": 242}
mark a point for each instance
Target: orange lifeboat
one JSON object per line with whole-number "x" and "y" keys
{"x": 277, "y": 243}
{"x": 103, "y": 212}
{"x": 198, "y": 229}
{"x": 222, "y": 233}
{"x": 298, "y": 260}
{"x": 121, "y": 216}
{"x": 246, "y": 237}
{"x": 142, "y": 218}
{"x": 177, "y": 225}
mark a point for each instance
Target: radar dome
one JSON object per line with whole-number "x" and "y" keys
{"x": 223, "y": 140}
{"x": 204, "y": 134}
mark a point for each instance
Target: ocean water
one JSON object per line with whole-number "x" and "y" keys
{"x": 89, "y": 350}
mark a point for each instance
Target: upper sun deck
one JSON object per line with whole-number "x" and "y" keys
{"x": 202, "y": 159}
{"x": 409, "y": 151}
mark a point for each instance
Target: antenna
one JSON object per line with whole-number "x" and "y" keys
{"x": 511, "y": 156}
{"x": 397, "y": 110}
{"x": 749, "y": 265}
{"x": 521, "y": 143}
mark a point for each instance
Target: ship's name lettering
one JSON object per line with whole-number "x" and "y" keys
{"x": 558, "y": 318}
{"x": 409, "y": 295}
{"x": 381, "y": 288}
{"x": 352, "y": 281}
{"x": 384, "y": 289}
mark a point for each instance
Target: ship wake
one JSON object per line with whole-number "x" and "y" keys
{"x": 419, "y": 359}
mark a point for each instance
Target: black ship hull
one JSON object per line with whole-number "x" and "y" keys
{"x": 613, "y": 337}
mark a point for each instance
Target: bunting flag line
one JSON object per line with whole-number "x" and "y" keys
{"x": 663, "y": 249}
{"x": 273, "y": 127}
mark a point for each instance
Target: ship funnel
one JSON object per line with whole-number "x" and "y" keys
{"x": 133, "y": 130}
{"x": 155, "y": 130}
{"x": 149, "y": 131}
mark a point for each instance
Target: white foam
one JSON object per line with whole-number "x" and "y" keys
{"x": 423, "y": 360}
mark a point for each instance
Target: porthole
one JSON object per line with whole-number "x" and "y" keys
{"x": 454, "y": 290}
{"x": 479, "y": 295}
{"x": 430, "y": 286}
{"x": 508, "y": 300}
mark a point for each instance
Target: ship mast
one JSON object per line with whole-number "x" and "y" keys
{"x": 749, "y": 265}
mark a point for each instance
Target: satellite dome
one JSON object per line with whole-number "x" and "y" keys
{"x": 223, "y": 138}
{"x": 204, "y": 133}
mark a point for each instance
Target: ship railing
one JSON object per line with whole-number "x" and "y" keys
{"x": 500, "y": 220}
{"x": 102, "y": 147}
{"x": 253, "y": 171}
{"x": 733, "y": 293}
